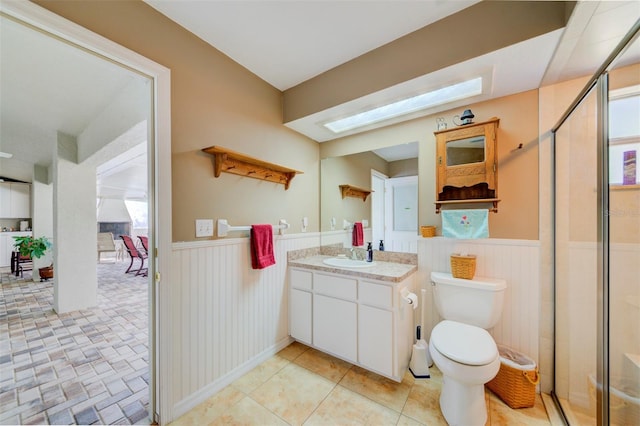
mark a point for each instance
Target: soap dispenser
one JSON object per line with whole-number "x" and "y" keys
{"x": 381, "y": 248}
{"x": 369, "y": 253}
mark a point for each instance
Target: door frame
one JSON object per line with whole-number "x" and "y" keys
{"x": 408, "y": 239}
{"x": 160, "y": 380}
{"x": 378, "y": 223}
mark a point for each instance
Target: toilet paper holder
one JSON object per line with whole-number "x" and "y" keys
{"x": 409, "y": 297}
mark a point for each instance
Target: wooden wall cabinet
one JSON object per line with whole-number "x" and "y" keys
{"x": 467, "y": 164}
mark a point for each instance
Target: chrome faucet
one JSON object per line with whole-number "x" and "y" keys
{"x": 354, "y": 253}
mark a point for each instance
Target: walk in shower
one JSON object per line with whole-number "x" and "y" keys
{"x": 596, "y": 152}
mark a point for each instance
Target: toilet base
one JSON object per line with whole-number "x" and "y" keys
{"x": 462, "y": 404}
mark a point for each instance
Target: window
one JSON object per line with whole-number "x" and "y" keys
{"x": 139, "y": 213}
{"x": 624, "y": 135}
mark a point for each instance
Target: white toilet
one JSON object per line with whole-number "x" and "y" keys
{"x": 460, "y": 346}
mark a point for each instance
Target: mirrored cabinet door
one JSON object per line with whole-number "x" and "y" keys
{"x": 466, "y": 164}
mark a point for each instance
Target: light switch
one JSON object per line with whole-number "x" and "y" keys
{"x": 204, "y": 228}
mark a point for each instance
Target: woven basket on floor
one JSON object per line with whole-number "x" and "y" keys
{"x": 463, "y": 266}
{"x": 517, "y": 388}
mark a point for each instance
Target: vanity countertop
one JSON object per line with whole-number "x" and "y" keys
{"x": 382, "y": 271}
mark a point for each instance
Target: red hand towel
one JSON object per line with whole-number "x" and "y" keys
{"x": 358, "y": 235}
{"x": 262, "y": 246}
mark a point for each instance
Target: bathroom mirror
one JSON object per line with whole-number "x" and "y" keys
{"x": 465, "y": 151}
{"x": 394, "y": 166}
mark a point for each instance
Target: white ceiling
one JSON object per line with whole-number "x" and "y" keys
{"x": 47, "y": 87}
{"x": 285, "y": 43}
{"x": 288, "y": 42}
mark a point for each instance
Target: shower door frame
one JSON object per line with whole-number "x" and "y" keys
{"x": 600, "y": 82}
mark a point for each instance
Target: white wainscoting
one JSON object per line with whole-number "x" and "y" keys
{"x": 516, "y": 261}
{"x": 228, "y": 317}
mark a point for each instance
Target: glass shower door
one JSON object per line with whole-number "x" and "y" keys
{"x": 624, "y": 239}
{"x": 576, "y": 265}
{"x": 597, "y": 252}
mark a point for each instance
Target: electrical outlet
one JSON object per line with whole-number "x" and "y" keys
{"x": 204, "y": 228}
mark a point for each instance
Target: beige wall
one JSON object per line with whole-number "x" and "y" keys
{"x": 518, "y": 168}
{"x": 353, "y": 170}
{"x": 217, "y": 102}
{"x": 214, "y": 101}
{"x": 402, "y": 168}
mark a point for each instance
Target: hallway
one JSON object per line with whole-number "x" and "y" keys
{"x": 84, "y": 367}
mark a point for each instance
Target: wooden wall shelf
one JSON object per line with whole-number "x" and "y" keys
{"x": 226, "y": 160}
{"x": 354, "y": 191}
{"x": 493, "y": 201}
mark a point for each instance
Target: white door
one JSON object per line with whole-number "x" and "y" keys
{"x": 401, "y": 214}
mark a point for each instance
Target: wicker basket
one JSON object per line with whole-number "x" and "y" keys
{"x": 516, "y": 387}
{"x": 428, "y": 231}
{"x": 463, "y": 266}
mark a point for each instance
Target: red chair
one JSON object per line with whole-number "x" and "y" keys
{"x": 145, "y": 243}
{"x": 134, "y": 253}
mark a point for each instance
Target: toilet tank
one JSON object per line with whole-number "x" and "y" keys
{"x": 476, "y": 302}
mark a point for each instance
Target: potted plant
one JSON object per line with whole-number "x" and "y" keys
{"x": 35, "y": 248}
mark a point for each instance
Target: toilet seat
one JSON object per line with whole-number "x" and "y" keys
{"x": 463, "y": 343}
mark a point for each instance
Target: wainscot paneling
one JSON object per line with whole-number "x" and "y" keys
{"x": 516, "y": 261}
{"x": 228, "y": 317}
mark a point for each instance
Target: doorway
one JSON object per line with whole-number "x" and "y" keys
{"x": 394, "y": 212}
{"x": 44, "y": 22}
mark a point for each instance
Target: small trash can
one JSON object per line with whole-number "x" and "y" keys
{"x": 516, "y": 381}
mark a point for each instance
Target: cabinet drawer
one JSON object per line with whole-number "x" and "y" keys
{"x": 343, "y": 288}
{"x": 301, "y": 279}
{"x": 375, "y": 294}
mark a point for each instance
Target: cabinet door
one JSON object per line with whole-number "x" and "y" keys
{"x": 375, "y": 339}
{"x": 335, "y": 326}
{"x": 20, "y": 200}
{"x": 300, "y": 305}
{"x": 5, "y": 200}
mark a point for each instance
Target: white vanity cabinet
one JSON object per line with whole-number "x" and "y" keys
{"x": 358, "y": 319}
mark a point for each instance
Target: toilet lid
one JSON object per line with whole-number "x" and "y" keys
{"x": 464, "y": 343}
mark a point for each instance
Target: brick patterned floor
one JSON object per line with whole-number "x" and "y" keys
{"x": 83, "y": 367}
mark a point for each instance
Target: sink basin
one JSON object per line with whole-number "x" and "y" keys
{"x": 343, "y": 262}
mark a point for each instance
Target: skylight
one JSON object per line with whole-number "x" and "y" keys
{"x": 441, "y": 96}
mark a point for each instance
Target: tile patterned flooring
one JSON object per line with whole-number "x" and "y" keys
{"x": 83, "y": 367}
{"x": 91, "y": 367}
{"x": 301, "y": 385}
